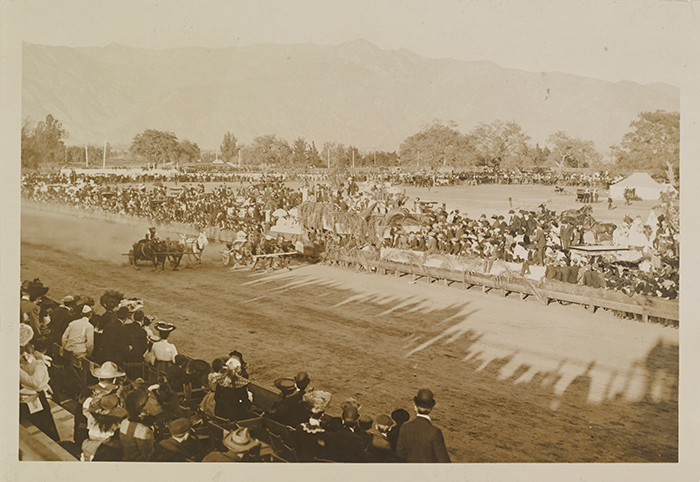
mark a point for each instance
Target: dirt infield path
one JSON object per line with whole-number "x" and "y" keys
{"x": 515, "y": 381}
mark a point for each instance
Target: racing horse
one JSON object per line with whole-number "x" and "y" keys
{"x": 146, "y": 250}
{"x": 173, "y": 251}
{"x": 195, "y": 246}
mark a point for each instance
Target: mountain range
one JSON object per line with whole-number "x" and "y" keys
{"x": 353, "y": 93}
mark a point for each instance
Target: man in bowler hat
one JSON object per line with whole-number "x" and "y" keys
{"x": 419, "y": 440}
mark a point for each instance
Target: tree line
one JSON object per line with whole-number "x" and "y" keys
{"x": 653, "y": 143}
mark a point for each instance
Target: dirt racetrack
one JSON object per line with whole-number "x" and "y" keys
{"x": 515, "y": 381}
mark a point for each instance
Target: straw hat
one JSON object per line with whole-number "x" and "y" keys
{"x": 108, "y": 370}
{"x": 240, "y": 440}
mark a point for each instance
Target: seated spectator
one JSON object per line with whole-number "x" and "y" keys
{"x": 310, "y": 437}
{"x": 177, "y": 373}
{"x": 238, "y": 446}
{"x": 181, "y": 446}
{"x": 233, "y": 400}
{"x": 244, "y": 366}
{"x": 137, "y": 437}
{"x": 104, "y": 415}
{"x": 280, "y": 410}
{"x": 197, "y": 373}
{"x": 109, "y": 379}
{"x": 79, "y": 336}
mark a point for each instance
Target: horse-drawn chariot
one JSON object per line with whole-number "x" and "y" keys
{"x": 157, "y": 251}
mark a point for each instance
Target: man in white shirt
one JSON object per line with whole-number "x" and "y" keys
{"x": 79, "y": 337}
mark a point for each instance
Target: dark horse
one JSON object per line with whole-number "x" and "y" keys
{"x": 145, "y": 250}
{"x": 172, "y": 250}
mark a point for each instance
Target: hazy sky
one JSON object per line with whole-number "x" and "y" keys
{"x": 643, "y": 41}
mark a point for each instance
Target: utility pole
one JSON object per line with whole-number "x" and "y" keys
{"x": 86, "y": 156}
{"x": 104, "y": 156}
{"x": 328, "y": 152}
{"x": 239, "y": 158}
{"x": 353, "y": 158}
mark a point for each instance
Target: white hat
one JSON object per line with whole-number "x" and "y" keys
{"x": 86, "y": 309}
{"x": 25, "y": 334}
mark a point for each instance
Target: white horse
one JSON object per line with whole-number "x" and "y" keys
{"x": 195, "y": 246}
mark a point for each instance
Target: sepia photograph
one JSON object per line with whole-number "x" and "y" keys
{"x": 349, "y": 234}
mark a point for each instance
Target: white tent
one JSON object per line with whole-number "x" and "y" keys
{"x": 642, "y": 183}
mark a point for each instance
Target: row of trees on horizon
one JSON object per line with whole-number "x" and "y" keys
{"x": 653, "y": 144}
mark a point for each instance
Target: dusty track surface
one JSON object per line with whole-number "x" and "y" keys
{"x": 515, "y": 381}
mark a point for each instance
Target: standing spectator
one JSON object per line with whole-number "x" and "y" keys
{"x": 61, "y": 316}
{"x": 345, "y": 445}
{"x": 78, "y": 338}
{"x": 419, "y": 440}
{"x": 109, "y": 301}
{"x": 379, "y": 449}
{"x": 310, "y": 437}
{"x": 34, "y": 384}
{"x": 163, "y": 352}
{"x": 400, "y": 416}
{"x": 136, "y": 338}
{"x": 30, "y": 311}
{"x": 114, "y": 344}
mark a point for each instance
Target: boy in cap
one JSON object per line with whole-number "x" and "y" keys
{"x": 419, "y": 440}
{"x": 379, "y": 449}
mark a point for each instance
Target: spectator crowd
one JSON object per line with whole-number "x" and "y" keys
{"x": 524, "y": 237}
{"x": 119, "y": 417}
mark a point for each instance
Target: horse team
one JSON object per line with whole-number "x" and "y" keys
{"x": 157, "y": 251}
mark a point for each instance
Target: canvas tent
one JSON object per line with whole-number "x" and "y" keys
{"x": 642, "y": 183}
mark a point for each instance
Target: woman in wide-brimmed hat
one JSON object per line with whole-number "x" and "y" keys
{"x": 310, "y": 436}
{"x": 162, "y": 353}
{"x": 232, "y": 399}
{"x": 104, "y": 415}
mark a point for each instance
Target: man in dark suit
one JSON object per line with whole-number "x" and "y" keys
{"x": 345, "y": 445}
{"x": 419, "y": 440}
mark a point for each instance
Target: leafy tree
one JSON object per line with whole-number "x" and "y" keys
{"x": 270, "y": 150}
{"x": 314, "y": 157}
{"x": 540, "y": 155}
{"x": 299, "y": 152}
{"x": 500, "y": 144}
{"x": 229, "y": 147}
{"x": 436, "y": 145}
{"x": 156, "y": 146}
{"x": 189, "y": 151}
{"x": 567, "y": 151}
{"x": 44, "y": 143}
{"x": 653, "y": 144}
